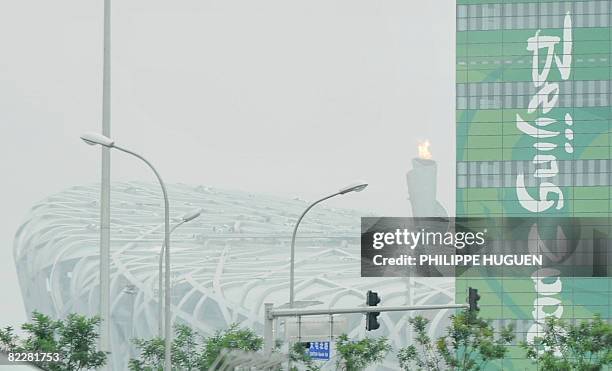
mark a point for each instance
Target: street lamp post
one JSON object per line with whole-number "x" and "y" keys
{"x": 105, "y": 189}
{"x": 356, "y": 187}
{"x": 184, "y": 219}
{"x": 99, "y": 139}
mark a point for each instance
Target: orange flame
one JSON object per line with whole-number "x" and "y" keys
{"x": 424, "y": 150}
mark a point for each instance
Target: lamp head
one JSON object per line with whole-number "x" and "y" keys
{"x": 354, "y": 187}
{"x": 191, "y": 215}
{"x": 92, "y": 139}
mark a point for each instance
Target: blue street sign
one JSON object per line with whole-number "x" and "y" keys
{"x": 319, "y": 350}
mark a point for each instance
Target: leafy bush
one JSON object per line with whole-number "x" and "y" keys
{"x": 73, "y": 339}
{"x": 298, "y": 354}
{"x": 231, "y": 338}
{"x": 191, "y": 351}
{"x": 469, "y": 344}
{"x": 563, "y": 346}
{"x": 357, "y": 355}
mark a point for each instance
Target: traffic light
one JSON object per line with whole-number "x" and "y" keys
{"x": 372, "y": 300}
{"x": 473, "y": 298}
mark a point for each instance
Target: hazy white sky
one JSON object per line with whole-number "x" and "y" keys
{"x": 285, "y": 97}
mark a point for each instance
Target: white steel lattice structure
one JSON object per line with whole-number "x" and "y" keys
{"x": 225, "y": 264}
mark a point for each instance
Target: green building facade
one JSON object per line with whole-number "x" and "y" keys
{"x": 533, "y": 101}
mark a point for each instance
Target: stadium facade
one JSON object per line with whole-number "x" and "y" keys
{"x": 226, "y": 264}
{"x": 533, "y": 139}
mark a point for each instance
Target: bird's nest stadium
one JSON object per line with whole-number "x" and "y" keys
{"x": 225, "y": 265}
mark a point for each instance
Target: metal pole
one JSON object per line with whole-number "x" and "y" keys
{"x": 314, "y": 312}
{"x": 160, "y": 289}
{"x": 292, "y": 262}
{"x": 105, "y": 190}
{"x": 268, "y": 326}
{"x": 167, "y": 296}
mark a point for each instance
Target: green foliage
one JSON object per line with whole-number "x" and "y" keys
{"x": 428, "y": 358}
{"x": 469, "y": 344}
{"x": 231, "y": 338}
{"x": 73, "y": 340}
{"x": 77, "y": 341}
{"x": 357, "y": 355}
{"x": 185, "y": 351}
{"x": 191, "y": 351}
{"x": 184, "y": 348}
{"x": 298, "y": 354}
{"x": 151, "y": 355}
{"x": 583, "y": 347}
{"x": 8, "y": 340}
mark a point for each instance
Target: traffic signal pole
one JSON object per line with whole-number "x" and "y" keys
{"x": 271, "y": 314}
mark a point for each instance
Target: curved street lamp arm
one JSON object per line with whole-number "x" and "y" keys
{"x": 168, "y": 315}
{"x": 307, "y": 210}
{"x": 292, "y": 267}
{"x": 161, "y": 182}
